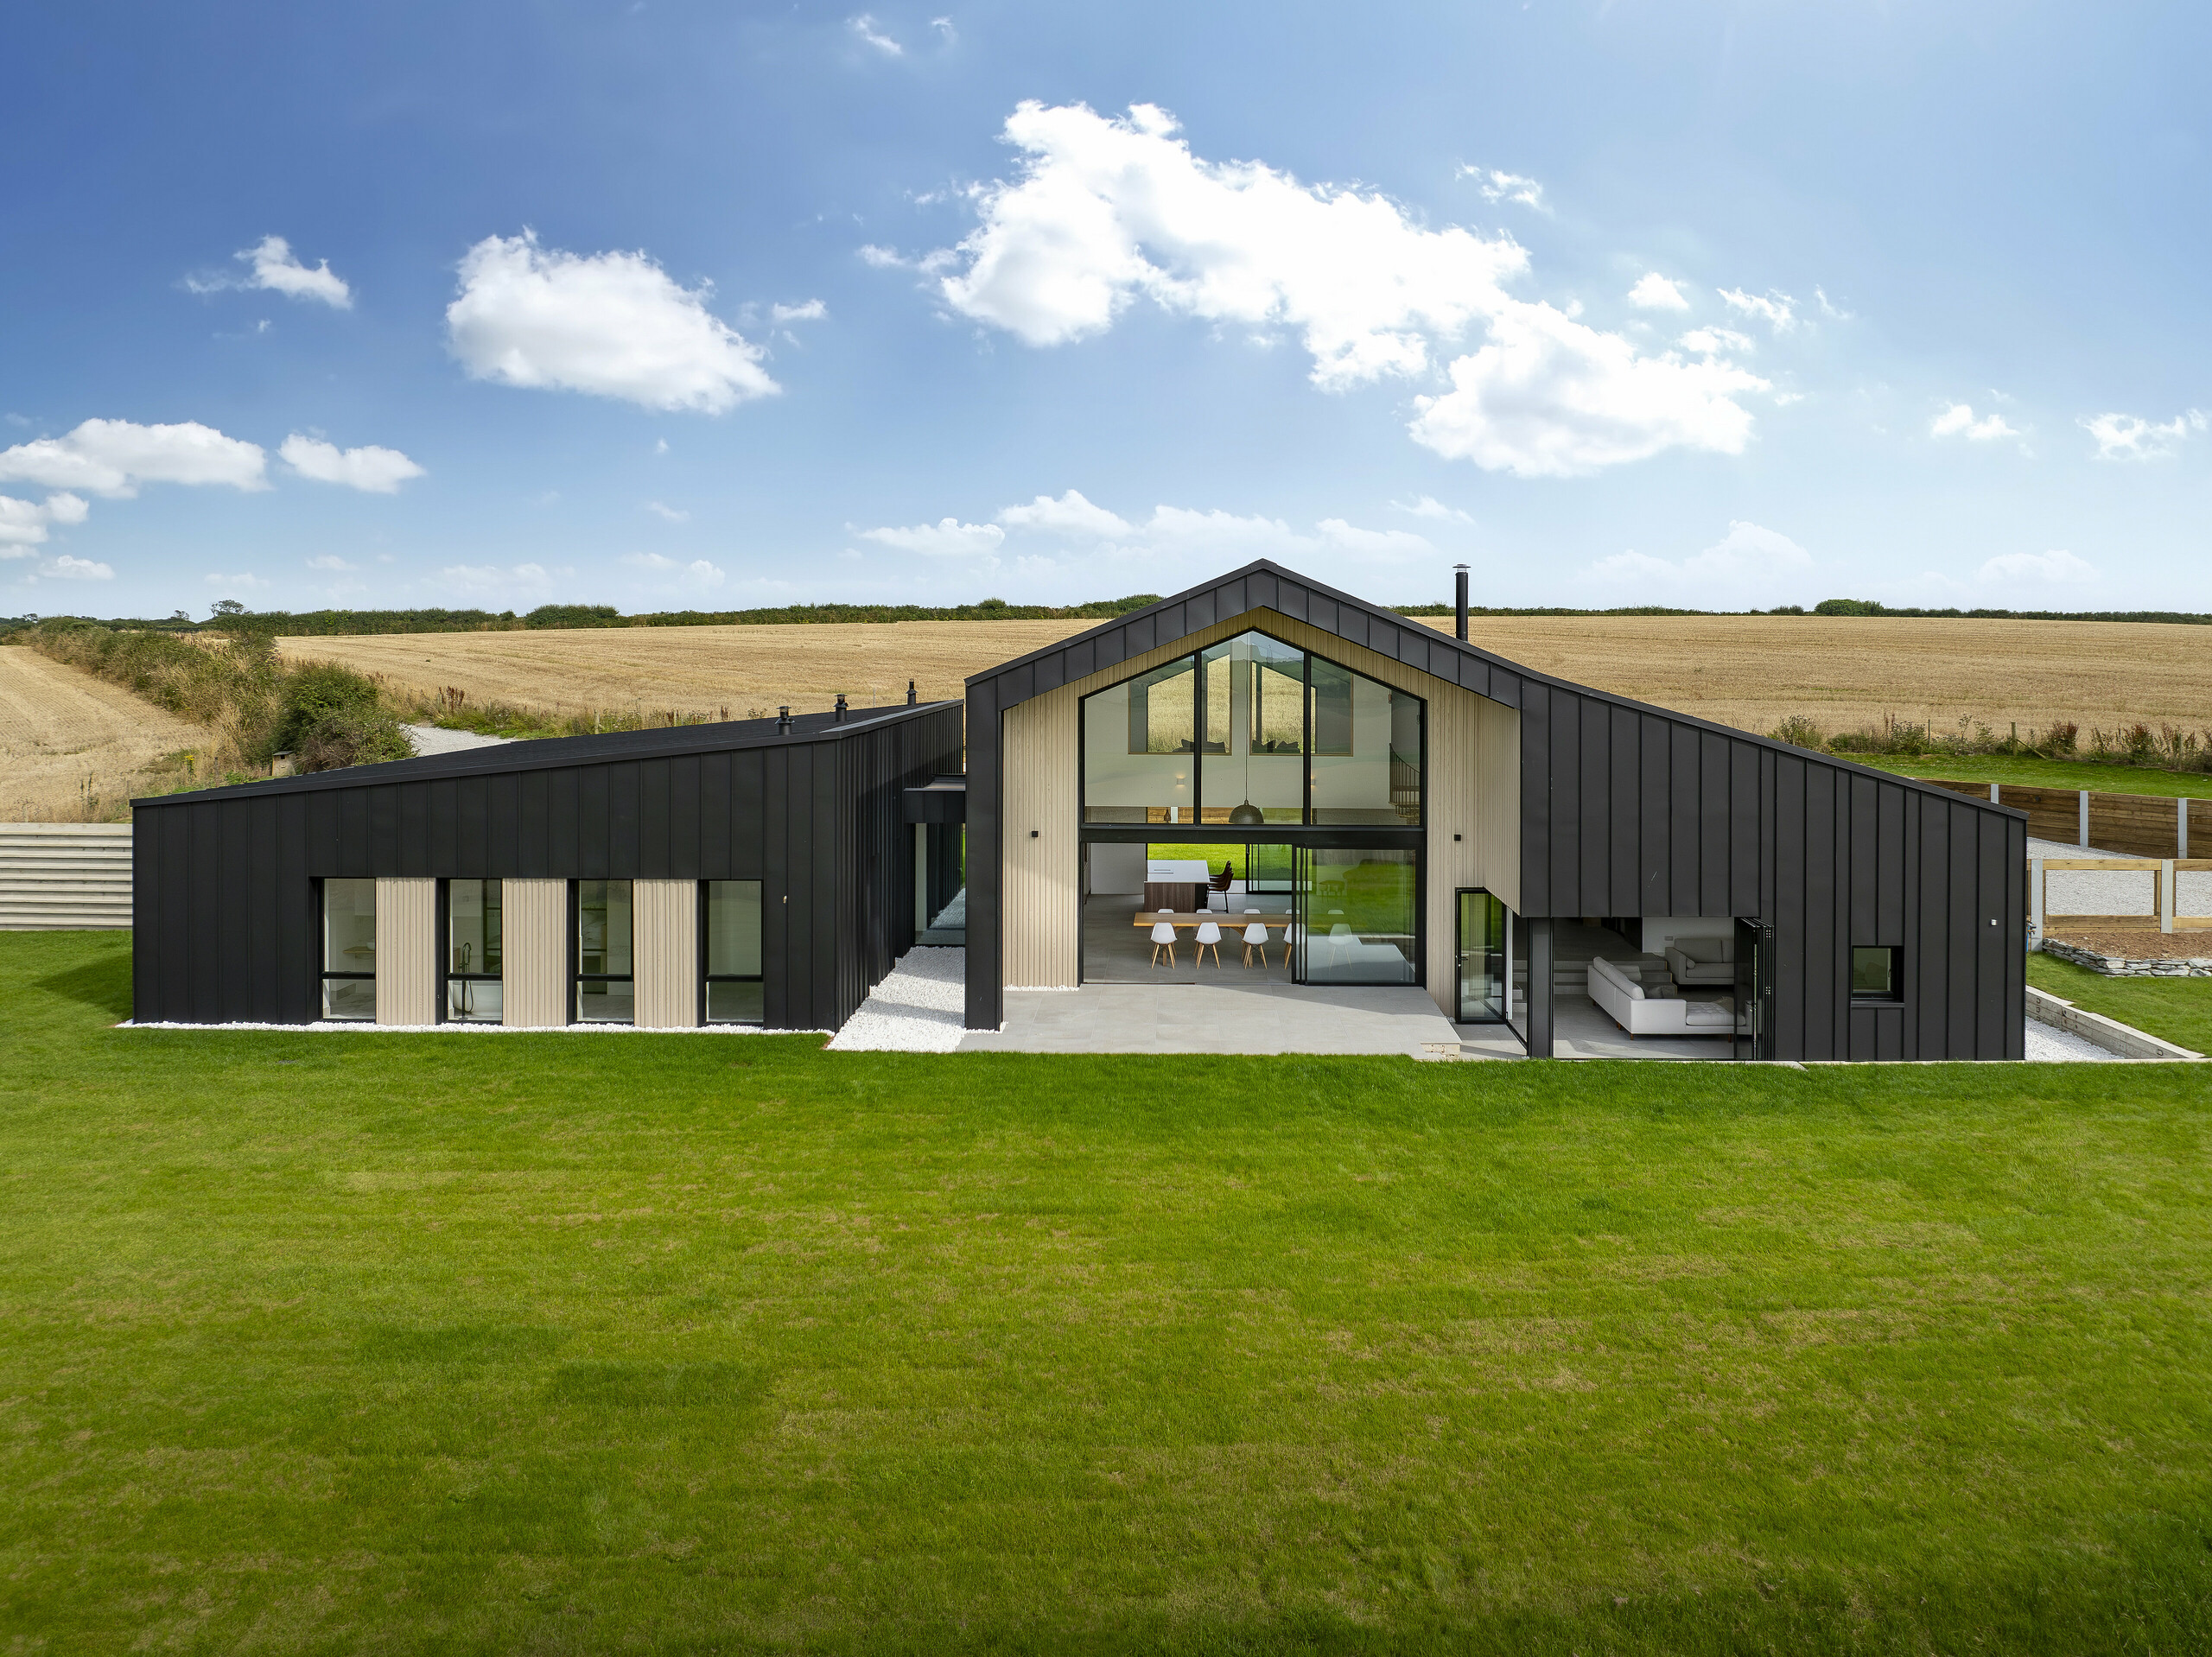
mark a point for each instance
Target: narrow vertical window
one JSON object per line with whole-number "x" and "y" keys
{"x": 734, "y": 986}
{"x": 605, "y": 993}
{"x": 473, "y": 952}
{"x": 349, "y": 950}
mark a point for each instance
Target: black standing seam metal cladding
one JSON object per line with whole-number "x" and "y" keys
{"x": 225, "y": 881}
{"x": 1631, "y": 810}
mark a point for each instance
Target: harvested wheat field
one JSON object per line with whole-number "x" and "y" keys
{"x": 1749, "y": 671}
{"x": 74, "y": 748}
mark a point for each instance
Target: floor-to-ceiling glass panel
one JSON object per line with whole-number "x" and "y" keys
{"x": 474, "y": 951}
{"x": 1139, "y": 740}
{"x": 349, "y": 949}
{"x": 734, "y": 982}
{"x": 1359, "y": 916}
{"x": 1253, "y": 770}
{"x": 605, "y": 992}
{"x": 1485, "y": 971}
{"x": 1367, "y": 750}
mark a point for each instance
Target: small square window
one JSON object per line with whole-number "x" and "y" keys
{"x": 1876, "y": 974}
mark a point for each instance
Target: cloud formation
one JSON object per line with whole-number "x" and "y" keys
{"x": 1506, "y": 186}
{"x": 1654, "y": 292}
{"x": 66, "y": 568}
{"x": 611, "y": 324}
{"x": 115, "y": 457}
{"x": 1429, "y": 507}
{"x": 1958, "y": 421}
{"x": 1070, "y": 515}
{"x": 377, "y": 471}
{"x": 272, "y": 266}
{"x": 2129, "y": 437}
{"x": 866, "y": 30}
{"x": 1104, "y": 213}
{"x": 2052, "y": 567}
{"x": 1748, "y": 564}
{"x": 947, "y": 539}
{"x": 23, "y": 523}
{"x": 1778, "y": 311}
{"x": 697, "y": 576}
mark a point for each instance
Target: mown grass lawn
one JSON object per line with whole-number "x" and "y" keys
{"x": 381, "y": 1344}
{"x": 2173, "y": 1009}
{"x": 2026, "y": 771}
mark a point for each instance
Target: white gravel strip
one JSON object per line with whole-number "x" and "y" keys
{"x": 920, "y": 1009}
{"x": 432, "y": 739}
{"x": 2049, "y": 1045}
{"x": 362, "y": 1027}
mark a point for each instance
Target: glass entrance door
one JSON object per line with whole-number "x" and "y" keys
{"x": 1484, "y": 954}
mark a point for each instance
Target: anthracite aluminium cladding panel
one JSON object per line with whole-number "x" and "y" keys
{"x": 224, "y": 883}
{"x": 1631, "y": 810}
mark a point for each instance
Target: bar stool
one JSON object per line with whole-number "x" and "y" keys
{"x": 1209, "y": 938}
{"x": 1163, "y": 937}
{"x": 1256, "y": 937}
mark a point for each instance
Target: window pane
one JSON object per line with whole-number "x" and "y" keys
{"x": 1366, "y": 750}
{"x": 1873, "y": 973}
{"x": 1139, "y": 747}
{"x": 474, "y": 1000}
{"x": 733, "y": 927}
{"x": 1482, "y": 958}
{"x": 734, "y": 1004}
{"x": 605, "y": 1002}
{"x": 603, "y": 926}
{"x": 1359, "y": 918}
{"x": 1254, "y": 689}
{"x": 349, "y": 926}
{"x": 473, "y": 926}
{"x": 350, "y": 998}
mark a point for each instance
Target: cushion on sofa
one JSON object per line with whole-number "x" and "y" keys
{"x": 1706, "y": 950}
{"x": 1617, "y": 979}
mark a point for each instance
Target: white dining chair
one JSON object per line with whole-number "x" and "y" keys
{"x": 1256, "y": 937}
{"x": 1209, "y": 938}
{"x": 1292, "y": 936}
{"x": 1163, "y": 937}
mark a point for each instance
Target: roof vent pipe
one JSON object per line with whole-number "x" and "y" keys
{"x": 841, "y": 707}
{"x": 784, "y": 719}
{"x": 910, "y": 693}
{"x": 1461, "y": 626}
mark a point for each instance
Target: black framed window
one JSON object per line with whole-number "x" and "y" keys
{"x": 605, "y": 992}
{"x": 731, "y": 988}
{"x": 1485, "y": 957}
{"x": 1876, "y": 973}
{"x": 473, "y": 952}
{"x": 349, "y": 950}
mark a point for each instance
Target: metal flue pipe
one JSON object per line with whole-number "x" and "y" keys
{"x": 1461, "y": 626}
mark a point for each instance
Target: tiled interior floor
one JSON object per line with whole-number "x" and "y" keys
{"x": 1117, "y": 951}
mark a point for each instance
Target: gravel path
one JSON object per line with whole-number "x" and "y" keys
{"x": 432, "y": 739}
{"x": 2049, "y": 1045}
{"x": 919, "y": 1009}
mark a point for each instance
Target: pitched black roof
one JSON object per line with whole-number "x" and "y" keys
{"x": 1263, "y": 584}
{"x": 546, "y": 752}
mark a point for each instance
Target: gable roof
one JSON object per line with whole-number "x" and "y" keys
{"x": 1263, "y": 584}
{"x": 551, "y": 753}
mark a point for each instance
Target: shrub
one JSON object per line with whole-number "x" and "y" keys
{"x": 1801, "y": 732}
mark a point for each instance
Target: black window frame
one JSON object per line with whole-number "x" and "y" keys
{"x": 1893, "y": 996}
{"x": 446, "y": 977}
{"x": 322, "y": 952}
{"x": 705, "y": 977}
{"x": 578, "y": 978}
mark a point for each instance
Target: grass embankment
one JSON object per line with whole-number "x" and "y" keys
{"x": 2173, "y": 1009}
{"x": 693, "y": 1343}
{"x": 2031, "y": 771}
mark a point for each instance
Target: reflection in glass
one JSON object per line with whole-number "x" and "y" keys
{"x": 1140, "y": 741}
{"x": 1357, "y": 925}
{"x": 604, "y": 991}
{"x": 734, "y": 993}
{"x": 1485, "y": 972}
{"x": 1367, "y": 743}
{"x": 1251, "y": 772}
{"x": 474, "y": 937}
{"x": 349, "y": 949}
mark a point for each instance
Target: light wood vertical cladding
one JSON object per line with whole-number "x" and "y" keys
{"x": 407, "y": 951}
{"x": 665, "y": 961}
{"x": 1474, "y": 791}
{"x": 535, "y": 916}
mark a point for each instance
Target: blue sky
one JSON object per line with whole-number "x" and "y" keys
{"x": 672, "y": 305}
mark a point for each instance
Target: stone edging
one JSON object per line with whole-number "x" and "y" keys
{"x": 2113, "y": 1037}
{"x": 2127, "y": 966}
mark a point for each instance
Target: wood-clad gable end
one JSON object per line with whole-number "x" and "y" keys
{"x": 225, "y": 898}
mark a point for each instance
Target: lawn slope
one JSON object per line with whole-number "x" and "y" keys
{"x": 696, "y": 1343}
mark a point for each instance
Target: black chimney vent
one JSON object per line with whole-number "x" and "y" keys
{"x": 841, "y": 707}
{"x": 1461, "y": 624}
{"x": 910, "y": 693}
{"x": 784, "y": 719}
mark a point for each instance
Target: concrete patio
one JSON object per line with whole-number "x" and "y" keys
{"x": 1254, "y": 1017}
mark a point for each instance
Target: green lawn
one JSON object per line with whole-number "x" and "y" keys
{"x": 694, "y": 1344}
{"x": 2046, "y": 774}
{"x": 2173, "y": 1009}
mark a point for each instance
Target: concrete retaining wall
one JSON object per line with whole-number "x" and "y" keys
{"x": 2110, "y": 1034}
{"x": 58, "y": 875}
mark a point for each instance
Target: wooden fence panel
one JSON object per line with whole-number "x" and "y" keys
{"x": 2053, "y": 813}
{"x": 58, "y": 875}
{"x": 2141, "y": 825}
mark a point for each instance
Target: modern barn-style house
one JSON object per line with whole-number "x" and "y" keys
{"x": 1260, "y": 780}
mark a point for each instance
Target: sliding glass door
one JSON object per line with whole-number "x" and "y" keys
{"x": 1355, "y": 915}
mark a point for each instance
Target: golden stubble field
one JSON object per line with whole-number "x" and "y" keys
{"x": 73, "y": 748}
{"x": 1748, "y": 671}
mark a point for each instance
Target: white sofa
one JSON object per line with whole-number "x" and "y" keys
{"x": 1650, "y": 1015}
{"x": 1703, "y": 960}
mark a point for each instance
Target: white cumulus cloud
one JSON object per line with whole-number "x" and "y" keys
{"x": 1429, "y": 507}
{"x": 1778, "y": 311}
{"x": 947, "y": 539}
{"x": 1958, "y": 421}
{"x": 667, "y": 513}
{"x": 329, "y": 561}
{"x": 1380, "y": 546}
{"x": 2060, "y": 566}
{"x": 23, "y": 523}
{"x": 698, "y": 576}
{"x": 66, "y": 569}
{"x": 812, "y": 311}
{"x": 1552, "y": 397}
{"x": 1070, "y": 515}
{"x": 613, "y": 324}
{"x": 1654, "y": 292}
{"x": 1749, "y": 564}
{"x": 271, "y": 265}
{"x": 1506, "y": 186}
{"x": 378, "y": 470}
{"x": 114, "y": 457}
{"x": 2130, "y": 437}
{"x": 868, "y": 33}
